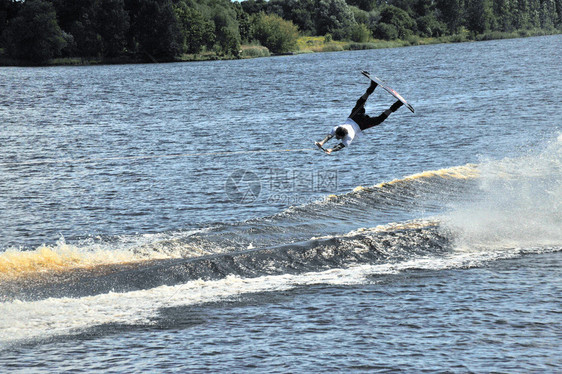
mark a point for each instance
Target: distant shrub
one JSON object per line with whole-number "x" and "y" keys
{"x": 360, "y": 33}
{"x": 332, "y": 47}
{"x": 458, "y": 38}
{"x": 343, "y": 33}
{"x": 254, "y": 51}
{"x": 429, "y": 26}
{"x": 361, "y": 46}
{"x": 399, "y": 19}
{"x": 386, "y": 32}
{"x": 494, "y": 35}
{"x": 532, "y": 32}
{"x": 273, "y": 32}
{"x": 413, "y": 40}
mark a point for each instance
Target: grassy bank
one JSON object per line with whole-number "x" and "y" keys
{"x": 305, "y": 44}
{"x": 326, "y": 44}
{"x": 246, "y": 51}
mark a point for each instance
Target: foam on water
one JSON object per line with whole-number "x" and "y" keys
{"x": 17, "y": 262}
{"x": 28, "y": 321}
{"x": 468, "y": 171}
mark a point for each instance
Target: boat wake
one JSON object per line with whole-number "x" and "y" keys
{"x": 456, "y": 217}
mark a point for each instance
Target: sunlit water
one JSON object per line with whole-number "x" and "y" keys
{"x": 177, "y": 217}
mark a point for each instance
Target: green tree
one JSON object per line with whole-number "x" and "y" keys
{"x": 4, "y": 4}
{"x": 405, "y": 5}
{"x": 386, "y": 31}
{"x": 558, "y": 16}
{"x": 333, "y": 17}
{"x": 369, "y": 19}
{"x": 88, "y": 42}
{"x": 360, "y": 33}
{"x": 521, "y": 14}
{"x": 254, "y": 6}
{"x": 503, "y": 15}
{"x": 273, "y": 32}
{"x": 547, "y": 14}
{"x": 423, "y": 8}
{"x": 70, "y": 11}
{"x": 479, "y": 15}
{"x": 34, "y": 35}
{"x": 534, "y": 13}
{"x": 244, "y": 23}
{"x": 76, "y": 19}
{"x": 301, "y": 12}
{"x": 112, "y": 25}
{"x": 399, "y": 19}
{"x": 228, "y": 42}
{"x": 226, "y": 30}
{"x": 451, "y": 12}
{"x": 8, "y": 10}
{"x": 155, "y": 29}
{"x": 197, "y": 31}
{"x": 367, "y": 5}
{"x": 429, "y": 26}
{"x": 100, "y": 28}
{"x": 360, "y": 16}
{"x": 303, "y": 19}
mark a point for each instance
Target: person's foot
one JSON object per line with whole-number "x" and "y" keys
{"x": 396, "y": 105}
{"x": 371, "y": 88}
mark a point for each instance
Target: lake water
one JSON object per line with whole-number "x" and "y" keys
{"x": 177, "y": 217}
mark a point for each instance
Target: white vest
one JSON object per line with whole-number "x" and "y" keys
{"x": 353, "y": 131}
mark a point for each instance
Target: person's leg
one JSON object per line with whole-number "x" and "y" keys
{"x": 394, "y": 107}
{"x": 370, "y": 90}
{"x": 359, "y": 108}
{"x": 367, "y": 122}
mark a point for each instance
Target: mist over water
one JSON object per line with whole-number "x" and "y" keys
{"x": 518, "y": 202}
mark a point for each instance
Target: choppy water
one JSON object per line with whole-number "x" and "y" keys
{"x": 175, "y": 217}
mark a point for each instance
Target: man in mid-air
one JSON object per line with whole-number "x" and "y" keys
{"x": 357, "y": 122}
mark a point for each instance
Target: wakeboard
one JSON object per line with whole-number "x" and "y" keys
{"x": 319, "y": 146}
{"x": 388, "y": 89}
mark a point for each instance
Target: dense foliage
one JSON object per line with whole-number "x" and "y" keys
{"x": 274, "y": 32}
{"x": 159, "y": 30}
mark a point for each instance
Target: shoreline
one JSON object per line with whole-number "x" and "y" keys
{"x": 305, "y": 44}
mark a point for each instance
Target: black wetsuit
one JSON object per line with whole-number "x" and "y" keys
{"x": 363, "y": 120}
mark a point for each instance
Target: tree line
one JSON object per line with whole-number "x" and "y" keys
{"x": 399, "y": 19}
{"x": 163, "y": 30}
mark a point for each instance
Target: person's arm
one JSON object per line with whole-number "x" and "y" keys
{"x": 328, "y": 137}
{"x": 338, "y": 147}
